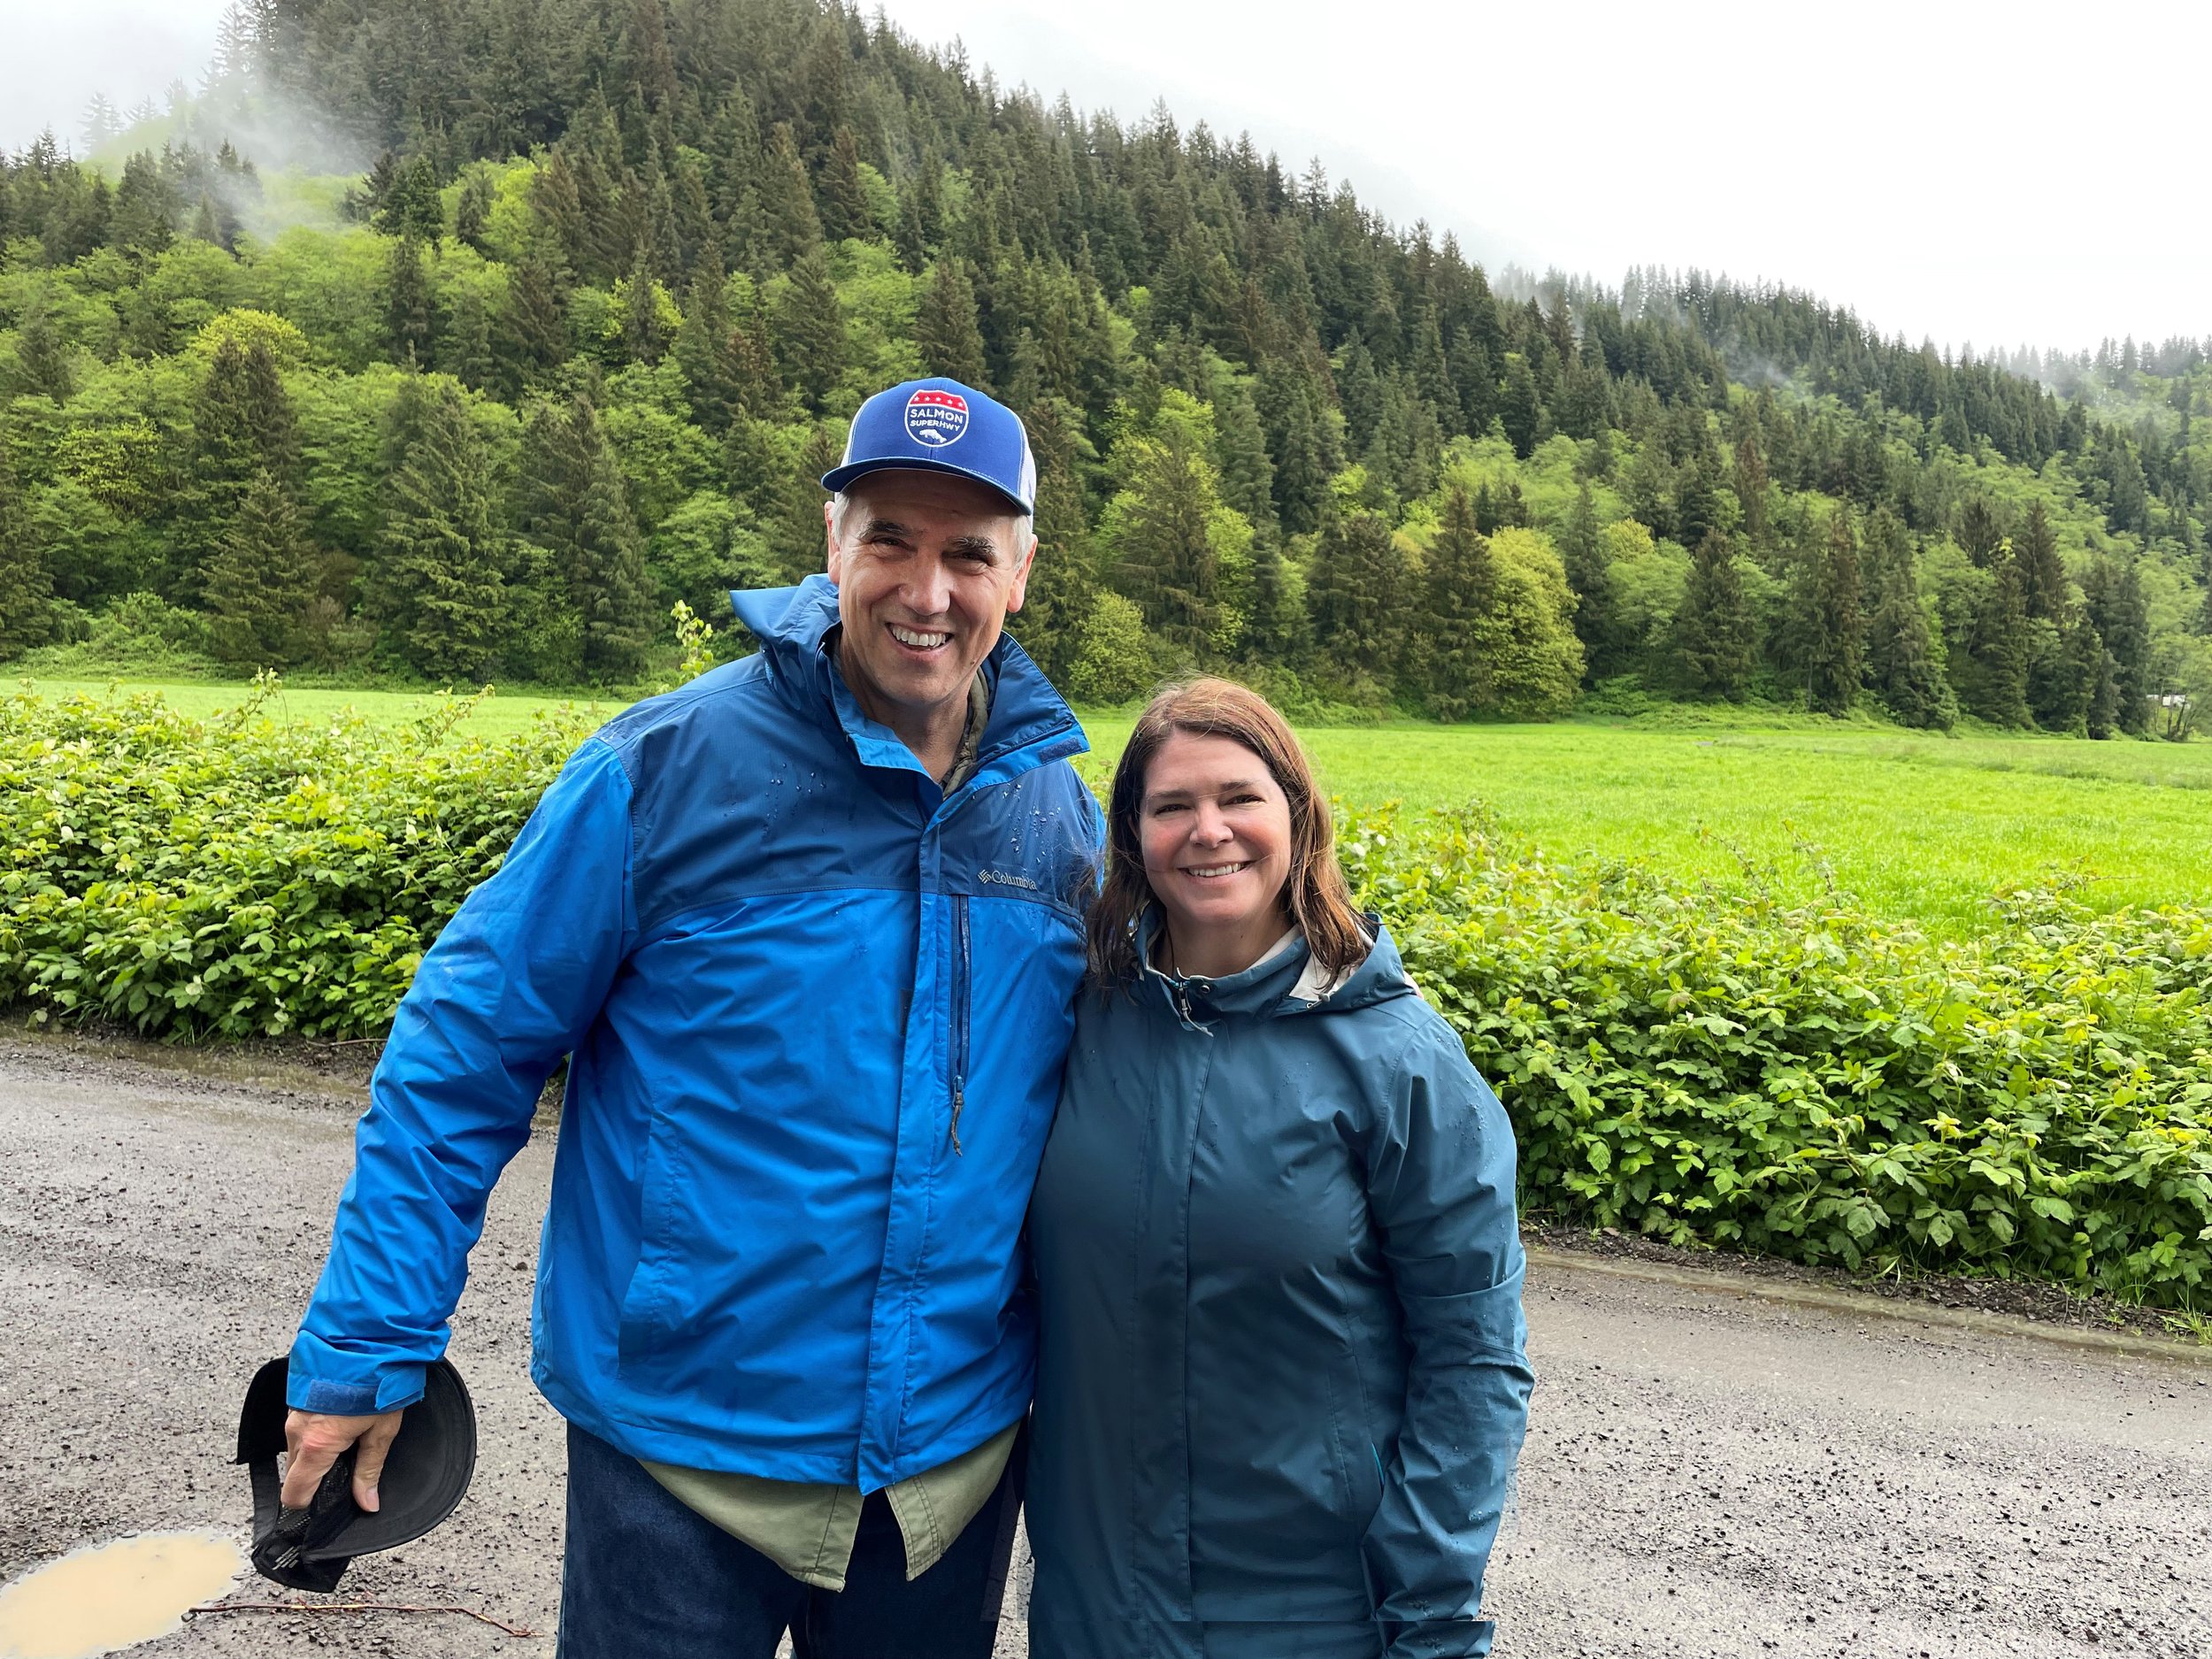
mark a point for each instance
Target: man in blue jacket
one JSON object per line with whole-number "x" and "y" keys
{"x": 810, "y": 931}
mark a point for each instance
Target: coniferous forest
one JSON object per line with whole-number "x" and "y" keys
{"x": 455, "y": 339}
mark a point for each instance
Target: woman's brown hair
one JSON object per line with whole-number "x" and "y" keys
{"x": 1314, "y": 892}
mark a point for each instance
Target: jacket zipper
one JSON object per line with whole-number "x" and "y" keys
{"x": 960, "y": 993}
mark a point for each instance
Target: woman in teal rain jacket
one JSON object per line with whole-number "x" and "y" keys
{"x": 1282, "y": 1379}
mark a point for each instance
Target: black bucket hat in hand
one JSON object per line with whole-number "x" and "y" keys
{"x": 425, "y": 1475}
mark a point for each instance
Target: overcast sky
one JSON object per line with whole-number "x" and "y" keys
{"x": 1997, "y": 173}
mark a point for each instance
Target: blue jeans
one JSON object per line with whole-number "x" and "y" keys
{"x": 644, "y": 1577}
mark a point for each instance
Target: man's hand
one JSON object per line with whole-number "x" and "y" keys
{"x": 315, "y": 1442}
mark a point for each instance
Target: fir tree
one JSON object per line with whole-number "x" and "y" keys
{"x": 1995, "y": 686}
{"x": 464, "y": 346}
{"x": 809, "y": 332}
{"x": 843, "y": 207}
{"x": 435, "y": 586}
{"x": 243, "y": 424}
{"x": 2117, "y": 605}
{"x": 793, "y": 229}
{"x": 1248, "y": 477}
{"x": 261, "y": 580}
{"x": 2042, "y": 575}
{"x": 1582, "y": 551}
{"x": 946, "y": 333}
{"x": 1062, "y": 578}
{"x": 533, "y": 339}
{"x": 411, "y": 306}
{"x": 1520, "y": 412}
{"x": 1357, "y": 592}
{"x": 575, "y": 508}
{"x": 1752, "y": 484}
{"x": 1279, "y": 631}
{"x": 705, "y": 351}
{"x": 2065, "y": 661}
{"x": 1460, "y": 591}
{"x": 644, "y": 336}
{"x": 25, "y": 582}
{"x": 41, "y": 353}
{"x": 1161, "y": 526}
{"x": 472, "y": 212}
{"x": 1980, "y": 531}
{"x": 1835, "y": 657}
{"x": 1903, "y": 655}
{"x": 1713, "y": 637}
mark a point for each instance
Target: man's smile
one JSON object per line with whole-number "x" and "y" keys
{"x": 924, "y": 639}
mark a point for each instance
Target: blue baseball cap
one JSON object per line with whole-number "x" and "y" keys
{"x": 940, "y": 426}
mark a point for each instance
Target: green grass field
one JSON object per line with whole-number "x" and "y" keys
{"x": 1916, "y": 826}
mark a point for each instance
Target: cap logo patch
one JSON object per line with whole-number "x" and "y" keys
{"x": 936, "y": 418}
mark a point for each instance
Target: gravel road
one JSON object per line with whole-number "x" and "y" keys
{"x": 1709, "y": 1472}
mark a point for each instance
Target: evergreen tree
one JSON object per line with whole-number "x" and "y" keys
{"x": 1713, "y": 636}
{"x": 533, "y": 337}
{"x": 644, "y": 335}
{"x": 809, "y": 332}
{"x": 435, "y": 586}
{"x": 706, "y": 352}
{"x": 1980, "y": 531}
{"x": 2065, "y": 661}
{"x": 793, "y": 229}
{"x": 1248, "y": 477}
{"x": 1995, "y": 686}
{"x": 41, "y": 355}
{"x": 2117, "y": 606}
{"x": 1752, "y": 484}
{"x": 1160, "y": 526}
{"x": 1520, "y": 413}
{"x": 1596, "y": 619}
{"x": 1903, "y": 655}
{"x": 1279, "y": 633}
{"x": 843, "y": 203}
{"x": 1835, "y": 658}
{"x": 410, "y": 307}
{"x": 1301, "y": 442}
{"x": 464, "y": 346}
{"x": 2042, "y": 574}
{"x": 1062, "y": 578}
{"x": 946, "y": 333}
{"x": 576, "y": 508}
{"x": 25, "y": 582}
{"x": 242, "y": 426}
{"x": 260, "y": 580}
{"x": 1356, "y": 593}
{"x": 1461, "y": 589}
{"x": 472, "y": 212}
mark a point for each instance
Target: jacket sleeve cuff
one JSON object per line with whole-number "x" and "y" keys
{"x": 390, "y": 1387}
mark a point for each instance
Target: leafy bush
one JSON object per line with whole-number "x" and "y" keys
{"x": 1699, "y": 1063}
{"x": 1815, "y": 1083}
{"x": 238, "y": 876}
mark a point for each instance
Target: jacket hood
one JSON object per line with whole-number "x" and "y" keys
{"x": 1276, "y": 987}
{"x": 1028, "y": 718}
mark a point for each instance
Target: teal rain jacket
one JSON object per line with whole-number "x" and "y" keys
{"x": 818, "y": 1012}
{"x": 1282, "y": 1376}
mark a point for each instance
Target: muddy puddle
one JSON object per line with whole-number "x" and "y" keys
{"x": 113, "y": 1595}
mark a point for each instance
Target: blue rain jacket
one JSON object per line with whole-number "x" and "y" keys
{"x": 785, "y": 963}
{"x": 1282, "y": 1379}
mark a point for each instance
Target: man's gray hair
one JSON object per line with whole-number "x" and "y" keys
{"x": 1024, "y": 525}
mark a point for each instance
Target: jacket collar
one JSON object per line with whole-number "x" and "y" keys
{"x": 1285, "y": 981}
{"x": 1031, "y": 724}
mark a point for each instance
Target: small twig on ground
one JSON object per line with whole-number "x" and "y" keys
{"x": 354, "y": 1607}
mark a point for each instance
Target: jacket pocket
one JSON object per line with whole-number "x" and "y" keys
{"x": 648, "y": 1314}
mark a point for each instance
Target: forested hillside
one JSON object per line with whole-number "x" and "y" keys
{"x": 577, "y": 344}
